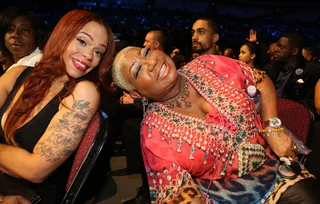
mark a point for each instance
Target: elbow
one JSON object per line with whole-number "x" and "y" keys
{"x": 35, "y": 176}
{"x": 36, "y": 179}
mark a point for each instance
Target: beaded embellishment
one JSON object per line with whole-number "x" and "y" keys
{"x": 250, "y": 156}
{"x": 221, "y": 141}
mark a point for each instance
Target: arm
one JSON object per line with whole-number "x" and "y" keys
{"x": 168, "y": 182}
{"x": 282, "y": 144}
{"x": 268, "y": 98}
{"x": 317, "y": 97}
{"x": 7, "y": 81}
{"x": 58, "y": 142}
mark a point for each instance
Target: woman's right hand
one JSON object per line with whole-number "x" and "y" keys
{"x": 281, "y": 144}
{"x": 15, "y": 200}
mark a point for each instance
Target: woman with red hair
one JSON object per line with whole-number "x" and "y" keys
{"x": 45, "y": 111}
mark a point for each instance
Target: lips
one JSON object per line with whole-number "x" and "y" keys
{"x": 164, "y": 70}
{"x": 81, "y": 66}
{"x": 195, "y": 43}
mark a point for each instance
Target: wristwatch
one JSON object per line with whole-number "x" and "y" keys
{"x": 273, "y": 123}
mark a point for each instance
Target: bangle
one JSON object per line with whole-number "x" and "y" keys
{"x": 269, "y": 131}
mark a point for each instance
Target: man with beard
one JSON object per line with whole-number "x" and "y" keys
{"x": 204, "y": 36}
{"x": 293, "y": 77}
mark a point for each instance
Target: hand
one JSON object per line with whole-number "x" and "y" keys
{"x": 196, "y": 200}
{"x": 281, "y": 144}
{"x": 252, "y": 36}
{"x": 126, "y": 99}
{"x": 15, "y": 200}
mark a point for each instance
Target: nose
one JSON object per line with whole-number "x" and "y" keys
{"x": 88, "y": 54}
{"x": 151, "y": 63}
{"x": 194, "y": 37}
{"x": 15, "y": 33}
{"x": 144, "y": 44}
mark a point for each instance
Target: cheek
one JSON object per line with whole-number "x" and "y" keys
{"x": 96, "y": 62}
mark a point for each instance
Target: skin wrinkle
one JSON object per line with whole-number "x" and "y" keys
{"x": 60, "y": 145}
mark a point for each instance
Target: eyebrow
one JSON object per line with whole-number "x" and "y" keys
{"x": 87, "y": 34}
{"x": 200, "y": 29}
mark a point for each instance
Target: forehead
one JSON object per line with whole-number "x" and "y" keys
{"x": 283, "y": 41}
{"x": 127, "y": 56}
{"x": 21, "y": 20}
{"x": 244, "y": 47}
{"x": 200, "y": 24}
{"x": 150, "y": 36}
{"x": 97, "y": 31}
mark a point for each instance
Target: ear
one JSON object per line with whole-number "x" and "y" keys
{"x": 135, "y": 95}
{"x": 215, "y": 38}
{"x": 295, "y": 51}
{"x": 157, "y": 45}
{"x": 309, "y": 57}
{"x": 253, "y": 56}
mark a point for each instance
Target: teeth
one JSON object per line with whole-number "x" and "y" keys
{"x": 163, "y": 68}
{"x": 80, "y": 64}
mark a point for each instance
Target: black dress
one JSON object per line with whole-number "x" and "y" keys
{"x": 52, "y": 189}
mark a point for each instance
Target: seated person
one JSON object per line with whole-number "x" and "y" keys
{"x": 294, "y": 77}
{"x": 201, "y": 135}
{"x": 23, "y": 34}
{"x": 45, "y": 110}
{"x": 252, "y": 55}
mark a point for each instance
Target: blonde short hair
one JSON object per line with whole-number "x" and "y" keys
{"x": 117, "y": 73}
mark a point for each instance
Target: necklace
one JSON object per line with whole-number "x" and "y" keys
{"x": 181, "y": 97}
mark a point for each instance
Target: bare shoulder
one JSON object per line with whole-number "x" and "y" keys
{"x": 10, "y": 77}
{"x": 86, "y": 89}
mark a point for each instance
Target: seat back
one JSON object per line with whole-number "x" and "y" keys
{"x": 86, "y": 156}
{"x": 296, "y": 117}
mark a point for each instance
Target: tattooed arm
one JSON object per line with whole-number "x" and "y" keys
{"x": 60, "y": 139}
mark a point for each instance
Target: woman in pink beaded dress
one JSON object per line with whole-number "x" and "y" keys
{"x": 201, "y": 134}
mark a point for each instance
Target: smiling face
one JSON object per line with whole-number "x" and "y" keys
{"x": 86, "y": 50}
{"x": 151, "y": 72}
{"x": 20, "y": 37}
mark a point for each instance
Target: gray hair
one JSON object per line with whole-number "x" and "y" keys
{"x": 117, "y": 73}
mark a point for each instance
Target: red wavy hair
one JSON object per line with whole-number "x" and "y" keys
{"x": 51, "y": 66}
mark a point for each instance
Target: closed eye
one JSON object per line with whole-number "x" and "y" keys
{"x": 137, "y": 72}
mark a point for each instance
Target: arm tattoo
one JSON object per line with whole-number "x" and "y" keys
{"x": 66, "y": 133}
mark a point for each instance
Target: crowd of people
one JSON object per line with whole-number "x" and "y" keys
{"x": 200, "y": 125}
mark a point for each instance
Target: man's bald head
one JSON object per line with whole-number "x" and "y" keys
{"x": 155, "y": 40}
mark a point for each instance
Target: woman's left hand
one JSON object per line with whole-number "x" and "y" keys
{"x": 281, "y": 144}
